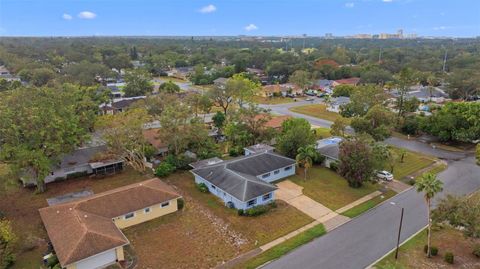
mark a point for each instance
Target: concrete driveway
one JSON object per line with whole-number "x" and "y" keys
{"x": 293, "y": 195}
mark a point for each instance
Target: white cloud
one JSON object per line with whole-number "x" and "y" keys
{"x": 88, "y": 15}
{"x": 349, "y": 5}
{"x": 251, "y": 27}
{"x": 208, "y": 9}
{"x": 67, "y": 17}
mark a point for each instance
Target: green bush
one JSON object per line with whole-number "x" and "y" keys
{"x": 164, "y": 169}
{"x": 202, "y": 187}
{"x": 412, "y": 181}
{"x": 180, "y": 204}
{"x": 256, "y": 210}
{"x": 476, "y": 250}
{"x": 334, "y": 166}
{"x": 449, "y": 258}
{"x": 240, "y": 212}
{"x": 52, "y": 261}
{"x": 180, "y": 161}
{"x": 433, "y": 250}
{"x": 235, "y": 151}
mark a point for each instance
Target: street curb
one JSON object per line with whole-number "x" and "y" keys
{"x": 393, "y": 249}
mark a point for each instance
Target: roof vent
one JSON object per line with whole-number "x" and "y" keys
{"x": 70, "y": 209}
{"x": 58, "y": 212}
{"x": 85, "y": 216}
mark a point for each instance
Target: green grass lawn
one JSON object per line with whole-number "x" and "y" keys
{"x": 322, "y": 132}
{"x": 361, "y": 208}
{"x": 330, "y": 189}
{"x": 412, "y": 162}
{"x": 285, "y": 247}
{"x": 272, "y": 100}
{"x": 319, "y": 111}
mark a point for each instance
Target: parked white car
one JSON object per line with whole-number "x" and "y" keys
{"x": 387, "y": 176}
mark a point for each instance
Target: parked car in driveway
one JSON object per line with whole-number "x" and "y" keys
{"x": 384, "y": 175}
{"x": 309, "y": 99}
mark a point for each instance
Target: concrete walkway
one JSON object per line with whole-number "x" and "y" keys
{"x": 293, "y": 195}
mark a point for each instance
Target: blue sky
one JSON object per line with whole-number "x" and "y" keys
{"x": 233, "y": 17}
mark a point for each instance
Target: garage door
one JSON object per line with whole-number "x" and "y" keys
{"x": 98, "y": 261}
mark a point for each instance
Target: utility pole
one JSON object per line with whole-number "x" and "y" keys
{"x": 445, "y": 61}
{"x": 399, "y": 232}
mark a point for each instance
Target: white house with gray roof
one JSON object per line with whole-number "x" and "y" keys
{"x": 329, "y": 148}
{"x": 244, "y": 182}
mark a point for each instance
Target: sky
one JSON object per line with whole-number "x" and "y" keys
{"x": 456, "y": 18}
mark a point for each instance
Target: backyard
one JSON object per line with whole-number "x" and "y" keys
{"x": 330, "y": 189}
{"x": 209, "y": 232}
{"x": 319, "y": 111}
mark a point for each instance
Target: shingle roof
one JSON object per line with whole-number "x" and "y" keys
{"x": 84, "y": 227}
{"x": 329, "y": 147}
{"x": 238, "y": 177}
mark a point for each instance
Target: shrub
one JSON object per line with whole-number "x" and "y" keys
{"x": 318, "y": 159}
{"x": 180, "y": 204}
{"x": 180, "y": 161}
{"x": 449, "y": 258}
{"x": 273, "y": 204}
{"x": 256, "y": 210}
{"x": 412, "y": 181}
{"x": 164, "y": 169}
{"x": 240, "y": 212}
{"x": 52, "y": 261}
{"x": 235, "y": 151}
{"x": 433, "y": 250}
{"x": 334, "y": 166}
{"x": 476, "y": 250}
{"x": 202, "y": 187}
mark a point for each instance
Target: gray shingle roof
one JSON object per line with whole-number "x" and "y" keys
{"x": 238, "y": 177}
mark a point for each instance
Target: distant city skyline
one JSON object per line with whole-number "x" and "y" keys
{"x": 234, "y": 17}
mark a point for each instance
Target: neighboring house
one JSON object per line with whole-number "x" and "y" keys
{"x": 325, "y": 85}
{"x": 180, "y": 72}
{"x": 119, "y": 105}
{"x": 5, "y": 74}
{"x": 93, "y": 160}
{"x": 244, "y": 182}
{"x": 258, "y": 148}
{"x": 152, "y": 137}
{"x": 336, "y": 104}
{"x": 329, "y": 148}
{"x": 425, "y": 94}
{"x": 280, "y": 89}
{"x": 220, "y": 82}
{"x": 85, "y": 233}
{"x": 116, "y": 89}
{"x": 346, "y": 81}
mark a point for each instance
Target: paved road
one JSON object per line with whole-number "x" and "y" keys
{"x": 362, "y": 241}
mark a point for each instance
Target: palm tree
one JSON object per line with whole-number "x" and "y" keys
{"x": 430, "y": 186}
{"x": 305, "y": 158}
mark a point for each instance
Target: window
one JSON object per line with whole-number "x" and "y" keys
{"x": 213, "y": 187}
{"x": 287, "y": 168}
{"x": 252, "y": 202}
{"x": 165, "y": 204}
{"x": 129, "y": 215}
{"x": 267, "y": 196}
{"x": 147, "y": 210}
{"x": 266, "y": 175}
{"x": 276, "y": 172}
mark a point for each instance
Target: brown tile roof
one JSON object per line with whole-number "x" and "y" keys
{"x": 82, "y": 228}
{"x": 351, "y": 81}
{"x": 275, "y": 122}
{"x": 151, "y": 135}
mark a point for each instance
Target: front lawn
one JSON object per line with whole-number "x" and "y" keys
{"x": 363, "y": 207}
{"x": 412, "y": 162}
{"x": 285, "y": 247}
{"x": 260, "y": 230}
{"x": 322, "y": 132}
{"x": 319, "y": 111}
{"x": 329, "y": 188}
{"x": 411, "y": 254}
{"x": 272, "y": 100}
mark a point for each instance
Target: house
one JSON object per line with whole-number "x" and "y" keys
{"x": 244, "y": 182}
{"x": 86, "y": 233}
{"x": 180, "y": 72}
{"x": 91, "y": 160}
{"x": 280, "y": 90}
{"x": 220, "y": 82}
{"x": 425, "y": 94}
{"x": 329, "y": 148}
{"x": 325, "y": 85}
{"x": 336, "y": 103}
{"x": 119, "y": 105}
{"x": 346, "y": 81}
{"x": 258, "y": 148}
{"x": 152, "y": 137}
{"x": 5, "y": 74}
